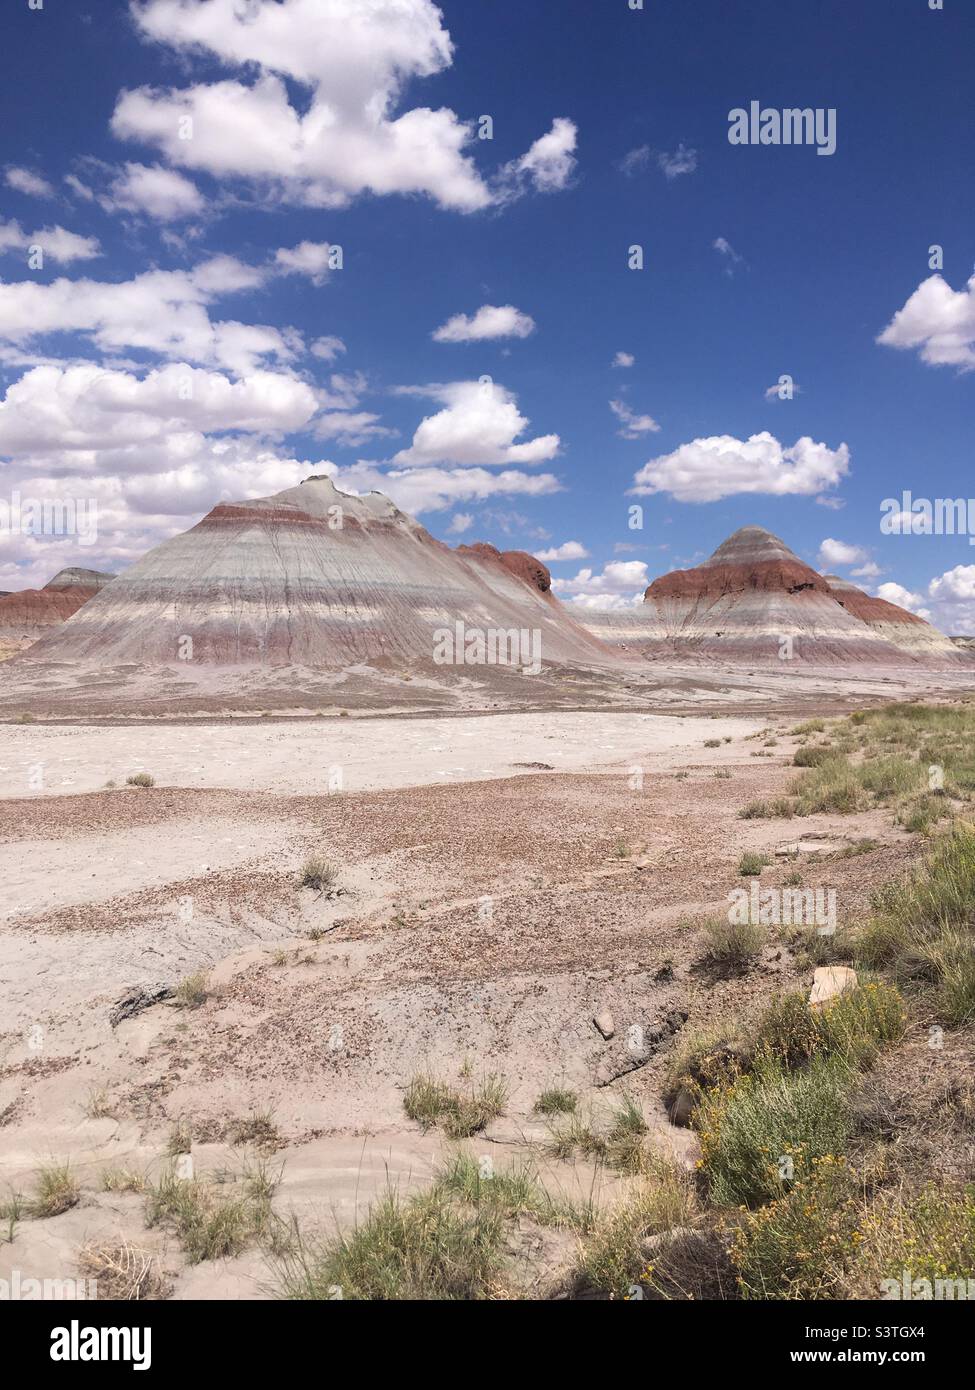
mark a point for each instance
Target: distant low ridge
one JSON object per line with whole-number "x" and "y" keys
{"x": 754, "y": 600}
{"x": 27, "y": 615}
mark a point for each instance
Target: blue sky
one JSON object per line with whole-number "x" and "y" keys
{"x": 189, "y": 337}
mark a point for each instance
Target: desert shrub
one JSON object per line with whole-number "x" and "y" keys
{"x": 852, "y": 1027}
{"x": 796, "y": 1245}
{"x": 318, "y": 874}
{"x": 705, "y": 1058}
{"x": 930, "y": 1233}
{"x": 921, "y": 927}
{"x": 140, "y": 779}
{"x": 733, "y": 943}
{"x": 763, "y": 1131}
{"x": 751, "y": 864}
{"x": 812, "y": 756}
{"x": 612, "y": 1261}
{"x": 193, "y": 991}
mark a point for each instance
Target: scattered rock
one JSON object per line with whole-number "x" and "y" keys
{"x": 604, "y": 1022}
{"x": 640, "y": 1045}
{"x": 829, "y": 982}
{"x": 681, "y": 1107}
{"x": 136, "y": 999}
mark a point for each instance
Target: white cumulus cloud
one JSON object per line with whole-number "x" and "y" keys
{"x": 479, "y": 424}
{"x": 159, "y": 193}
{"x": 55, "y": 242}
{"x": 569, "y": 550}
{"x": 939, "y": 322}
{"x": 833, "y": 552}
{"x": 353, "y": 60}
{"x": 633, "y": 425}
{"x": 621, "y": 584}
{"x": 490, "y": 321}
{"x": 26, "y": 181}
{"x": 706, "y": 470}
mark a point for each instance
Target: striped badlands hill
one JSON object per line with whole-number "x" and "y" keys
{"x": 751, "y": 595}
{"x": 29, "y": 614}
{"x": 313, "y": 578}
{"x": 896, "y": 625}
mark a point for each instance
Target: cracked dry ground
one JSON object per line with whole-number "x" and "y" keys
{"x": 483, "y": 924}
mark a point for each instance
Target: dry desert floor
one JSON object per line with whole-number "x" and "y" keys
{"x": 498, "y": 882}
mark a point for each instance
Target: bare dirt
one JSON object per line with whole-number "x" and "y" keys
{"x": 483, "y": 913}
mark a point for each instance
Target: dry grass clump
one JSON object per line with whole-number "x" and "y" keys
{"x": 214, "y": 1220}
{"x": 751, "y": 864}
{"x": 258, "y": 1129}
{"x": 192, "y": 992}
{"x": 774, "y": 808}
{"x": 123, "y": 1272}
{"x": 447, "y": 1243}
{"x": 55, "y": 1191}
{"x": 612, "y": 1261}
{"x": 140, "y": 779}
{"x": 428, "y": 1248}
{"x": 733, "y": 943}
{"x": 811, "y": 726}
{"x": 460, "y": 1114}
{"x": 617, "y": 1141}
{"x": 921, "y": 927}
{"x": 556, "y": 1100}
{"x": 123, "y": 1180}
{"x": 98, "y": 1106}
{"x": 318, "y": 874}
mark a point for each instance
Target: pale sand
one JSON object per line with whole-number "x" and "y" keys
{"x": 298, "y": 758}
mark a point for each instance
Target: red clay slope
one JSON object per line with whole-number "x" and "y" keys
{"x": 27, "y": 615}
